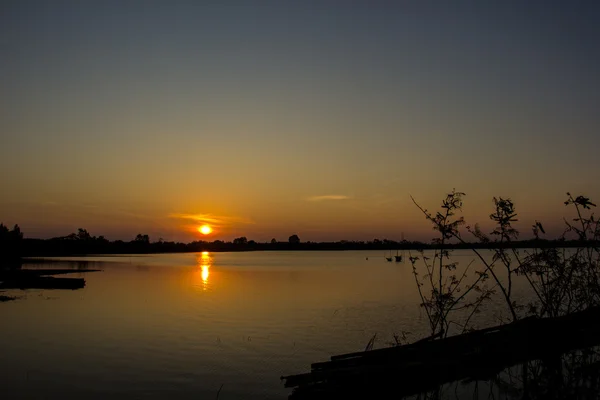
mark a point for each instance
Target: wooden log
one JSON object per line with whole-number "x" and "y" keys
{"x": 6, "y": 298}
{"x": 17, "y": 273}
{"x": 425, "y": 365}
{"x": 43, "y": 283}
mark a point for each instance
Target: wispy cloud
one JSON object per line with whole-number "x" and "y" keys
{"x": 215, "y": 220}
{"x": 328, "y": 197}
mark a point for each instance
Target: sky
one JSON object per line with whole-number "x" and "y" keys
{"x": 271, "y": 118}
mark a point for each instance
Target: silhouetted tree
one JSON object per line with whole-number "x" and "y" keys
{"x": 294, "y": 239}
{"x": 240, "y": 241}
{"x": 565, "y": 281}
{"x": 83, "y": 234}
{"x": 10, "y": 242}
{"x": 71, "y": 236}
{"x": 16, "y": 233}
{"x": 442, "y": 291}
{"x": 145, "y": 239}
{"x": 273, "y": 241}
{"x": 102, "y": 239}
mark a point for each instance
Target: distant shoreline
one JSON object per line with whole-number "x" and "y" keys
{"x": 63, "y": 248}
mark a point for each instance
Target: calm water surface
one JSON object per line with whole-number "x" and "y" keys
{"x": 182, "y": 325}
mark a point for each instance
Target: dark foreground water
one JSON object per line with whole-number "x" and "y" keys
{"x": 180, "y": 326}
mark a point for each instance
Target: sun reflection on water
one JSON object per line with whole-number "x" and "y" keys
{"x": 204, "y": 261}
{"x": 205, "y": 275}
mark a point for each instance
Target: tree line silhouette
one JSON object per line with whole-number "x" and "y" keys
{"x": 13, "y": 245}
{"x": 11, "y": 242}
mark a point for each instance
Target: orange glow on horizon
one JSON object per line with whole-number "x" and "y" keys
{"x": 205, "y": 229}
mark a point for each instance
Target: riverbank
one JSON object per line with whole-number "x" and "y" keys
{"x": 60, "y": 247}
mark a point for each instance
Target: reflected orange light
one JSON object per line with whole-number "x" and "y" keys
{"x": 205, "y": 275}
{"x": 204, "y": 261}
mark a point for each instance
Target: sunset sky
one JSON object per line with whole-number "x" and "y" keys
{"x": 272, "y": 118}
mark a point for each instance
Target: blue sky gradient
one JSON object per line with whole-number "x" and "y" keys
{"x": 117, "y": 115}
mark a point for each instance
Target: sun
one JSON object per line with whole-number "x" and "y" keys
{"x": 205, "y": 229}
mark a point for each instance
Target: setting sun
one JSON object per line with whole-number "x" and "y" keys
{"x": 205, "y": 229}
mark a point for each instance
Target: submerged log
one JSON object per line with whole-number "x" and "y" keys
{"x": 28, "y": 273}
{"x": 421, "y": 366}
{"x": 43, "y": 283}
{"x": 40, "y": 279}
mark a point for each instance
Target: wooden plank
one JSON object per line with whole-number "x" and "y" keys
{"x": 475, "y": 354}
